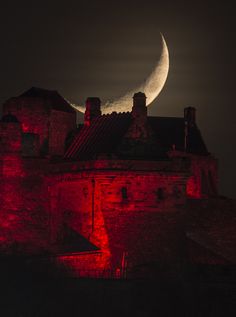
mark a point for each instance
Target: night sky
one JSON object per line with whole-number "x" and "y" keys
{"x": 105, "y": 48}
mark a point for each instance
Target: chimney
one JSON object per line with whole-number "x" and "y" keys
{"x": 139, "y": 109}
{"x": 190, "y": 116}
{"x": 93, "y": 110}
{"x": 139, "y": 129}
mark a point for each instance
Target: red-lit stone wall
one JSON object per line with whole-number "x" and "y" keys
{"x": 10, "y": 137}
{"x": 24, "y": 202}
{"x": 37, "y": 116}
{"x": 85, "y": 264}
{"x": 131, "y": 210}
{"x": 203, "y": 178}
{"x": 121, "y": 212}
{"x": 71, "y": 203}
{"x": 203, "y": 181}
{"x": 33, "y": 114}
{"x": 61, "y": 123}
{"x": 142, "y": 224}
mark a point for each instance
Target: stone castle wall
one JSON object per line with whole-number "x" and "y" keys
{"x": 121, "y": 211}
{"x": 37, "y": 117}
{"x": 24, "y": 205}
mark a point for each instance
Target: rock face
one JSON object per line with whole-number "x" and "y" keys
{"x": 106, "y": 198}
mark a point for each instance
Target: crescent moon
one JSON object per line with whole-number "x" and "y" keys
{"x": 152, "y": 86}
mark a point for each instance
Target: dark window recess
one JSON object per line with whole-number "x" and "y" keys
{"x": 124, "y": 193}
{"x": 160, "y": 194}
{"x": 176, "y": 192}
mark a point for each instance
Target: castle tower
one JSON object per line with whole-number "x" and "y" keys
{"x": 46, "y": 114}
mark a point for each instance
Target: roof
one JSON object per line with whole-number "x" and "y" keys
{"x": 102, "y": 136}
{"x": 55, "y": 100}
{"x": 171, "y": 131}
{"x": 106, "y": 134}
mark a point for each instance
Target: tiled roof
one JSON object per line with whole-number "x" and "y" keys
{"x": 106, "y": 132}
{"x": 55, "y": 100}
{"x": 102, "y": 136}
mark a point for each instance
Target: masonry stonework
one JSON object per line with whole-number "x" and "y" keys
{"x": 113, "y": 198}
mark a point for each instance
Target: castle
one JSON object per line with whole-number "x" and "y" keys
{"x": 108, "y": 195}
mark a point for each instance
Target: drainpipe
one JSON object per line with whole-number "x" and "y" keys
{"x": 93, "y": 193}
{"x": 185, "y": 135}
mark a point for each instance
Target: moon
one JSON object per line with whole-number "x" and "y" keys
{"x": 152, "y": 86}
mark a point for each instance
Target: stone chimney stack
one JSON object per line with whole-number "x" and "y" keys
{"x": 93, "y": 110}
{"x": 139, "y": 109}
{"x": 190, "y": 116}
{"x": 138, "y": 129}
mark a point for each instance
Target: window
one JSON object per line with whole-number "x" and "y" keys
{"x": 124, "y": 193}
{"x": 160, "y": 193}
{"x": 176, "y": 192}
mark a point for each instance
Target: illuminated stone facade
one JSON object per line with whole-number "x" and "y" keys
{"x": 119, "y": 182}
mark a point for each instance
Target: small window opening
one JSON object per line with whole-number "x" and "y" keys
{"x": 160, "y": 193}
{"x": 124, "y": 193}
{"x": 176, "y": 192}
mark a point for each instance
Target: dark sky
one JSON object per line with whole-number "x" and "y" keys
{"x": 104, "y": 48}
